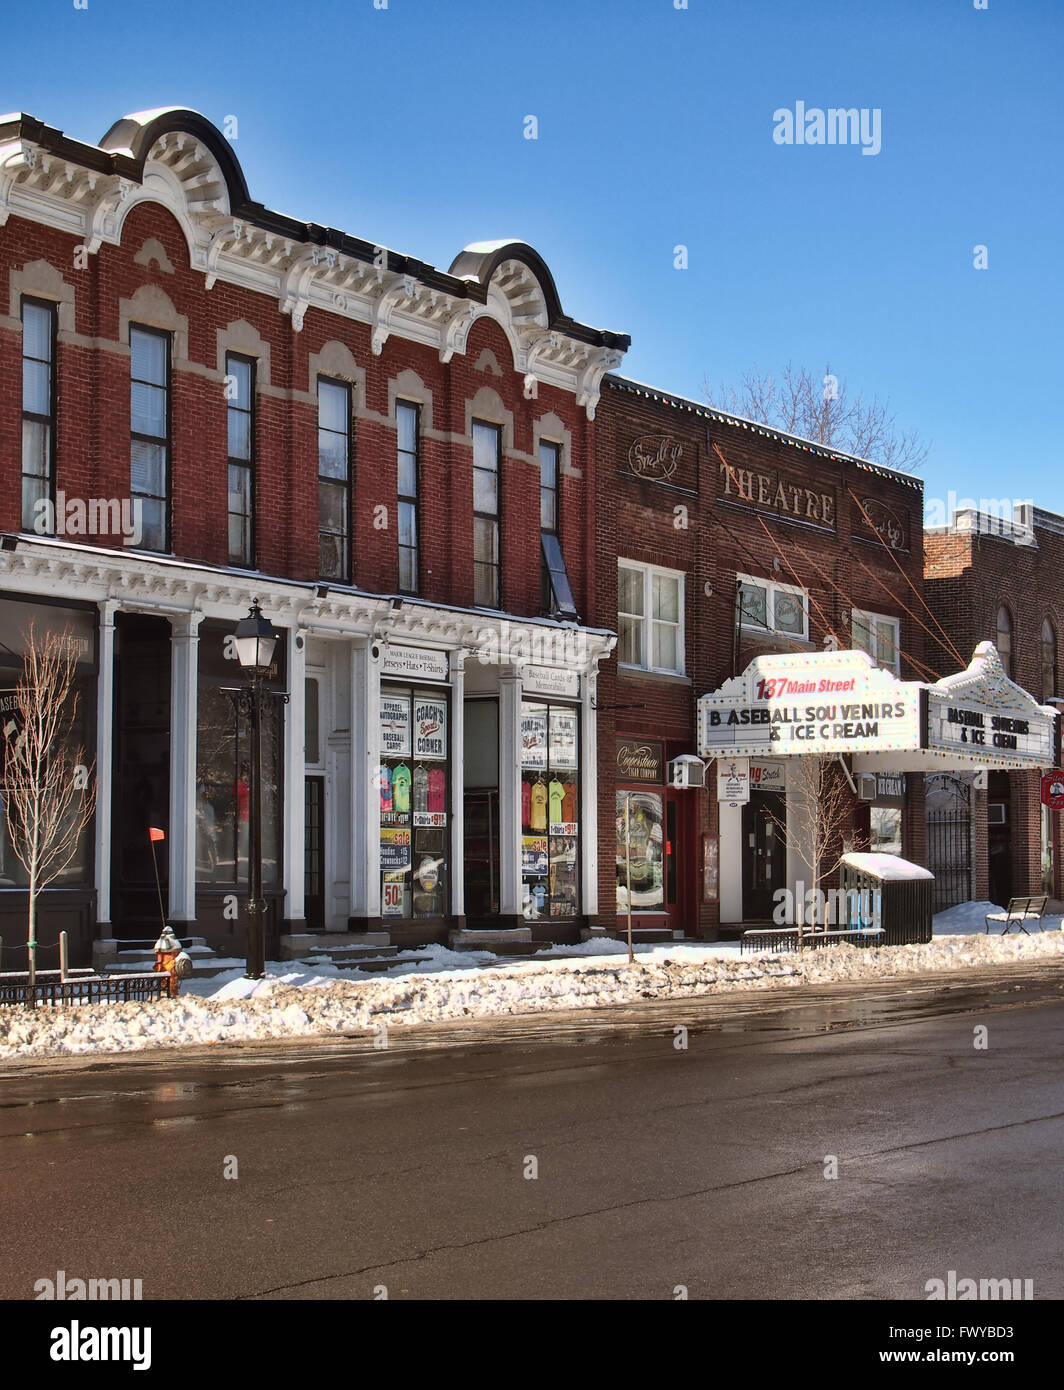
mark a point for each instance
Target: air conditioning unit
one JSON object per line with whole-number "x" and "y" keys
{"x": 997, "y": 813}
{"x": 866, "y": 786}
{"x": 687, "y": 771}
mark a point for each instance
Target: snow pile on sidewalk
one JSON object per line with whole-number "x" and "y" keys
{"x": 295, "y": 1001}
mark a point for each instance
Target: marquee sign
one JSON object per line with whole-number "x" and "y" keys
{"x": 810, "y": 703}
{"x": 980, "y": 714}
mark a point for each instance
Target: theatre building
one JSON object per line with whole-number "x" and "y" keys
{"x": 203, "y": 403}
{"x": 738, "y": 563}
{"x": 996, "y": 579}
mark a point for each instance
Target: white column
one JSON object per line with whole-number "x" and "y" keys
{"x": 294, "y": 779}
{"x": 589, "y": 793}
{"x": 732, "y": 851}
{"x": 184, "y": 669}
{"x": 509, "y": 793}
{"x": 105, "y": 704}
{"x": 365, "y": 794}
{"x": 456, "y": 867}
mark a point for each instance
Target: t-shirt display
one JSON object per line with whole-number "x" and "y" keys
{"x": 413, "y": 793}
{"x": 550, "y": 863}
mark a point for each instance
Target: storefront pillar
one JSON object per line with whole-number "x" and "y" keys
{"x": 184, "y": 672}
{"x": 589, "y": 794}
{"x": 294, "y": 779}
{"x": 457, "y": 865}
{"x": 365, "y": 792}
{"x": 510, "y": 914}
{"x": 105, "y": 699}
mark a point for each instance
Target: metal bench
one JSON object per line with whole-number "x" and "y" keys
{"x": 1019, "y": 911}
{"x": 786, "y": 938}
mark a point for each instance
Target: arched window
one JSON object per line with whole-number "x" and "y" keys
{"x": 1049, "y": 660}
{"x": 1004, "y": 638}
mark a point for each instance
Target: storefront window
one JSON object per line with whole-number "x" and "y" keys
{"x": 414, "y": 790}
{"x": 550, "y": 810}
{"x": 640, "y": 851}
{"x": 885, "y": 831}
{"x": 16, "y": 620}
{"x": 223, "y": 765}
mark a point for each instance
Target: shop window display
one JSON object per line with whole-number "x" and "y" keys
{"x": 550, "y": 815}
{"x": 641, "y": 851}
{"x": 413, "y": 787}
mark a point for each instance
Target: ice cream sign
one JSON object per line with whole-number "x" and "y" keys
{"x": 810, "y": 703}
{"x": 982, "y": 716}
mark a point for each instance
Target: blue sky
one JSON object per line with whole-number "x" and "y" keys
{"x": 405, "y": 126}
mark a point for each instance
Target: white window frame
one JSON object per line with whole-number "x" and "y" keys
{"x": 870, "y": 619}
{"x": 772, "y": 588}
{"x": 648, "y": 572}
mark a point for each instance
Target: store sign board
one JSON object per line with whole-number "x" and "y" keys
{"x": 814, "y": 703}
{"x": 640, "y": 760}
{"x": 430, "y": 729}
{"x": 415, "y": 663}
{"x": 551, "y": 680}
{"x": 969, "y": 728}
{"x": 980, "y": 714}
{"x": 768, "y": 775}
{"x": 733, "y": 780}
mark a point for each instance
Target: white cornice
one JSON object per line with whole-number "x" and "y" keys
{"x": 182, "y": 175}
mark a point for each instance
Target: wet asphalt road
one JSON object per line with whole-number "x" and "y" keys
{"x": 656, "y": 1166}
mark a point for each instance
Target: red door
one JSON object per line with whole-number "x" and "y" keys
{"x": 681, "y": 861}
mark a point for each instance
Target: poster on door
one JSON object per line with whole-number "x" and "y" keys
{"x": 733, "y": 780}
{"x": 395, "y": 727}
{"x": 430, "y": 729}
{"x": 392, "y": 898}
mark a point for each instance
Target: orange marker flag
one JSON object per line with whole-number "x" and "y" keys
{"x": 154, "y": 834}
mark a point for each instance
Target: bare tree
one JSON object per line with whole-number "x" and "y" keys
{"x": 48, "y": 799}
{"x": 817, "y": 825}
{"x": 820, "y": 408}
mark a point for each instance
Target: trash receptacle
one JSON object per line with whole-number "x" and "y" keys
{"x": 895, "y": 896}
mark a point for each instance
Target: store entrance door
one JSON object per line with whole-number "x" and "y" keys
{"x": 681, "y": 864}
{"x": 764, "y": 854}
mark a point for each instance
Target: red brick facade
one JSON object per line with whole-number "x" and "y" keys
{"x": 712, "y": 516}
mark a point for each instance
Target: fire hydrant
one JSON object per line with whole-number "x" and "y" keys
{"x": 171, "y": 959}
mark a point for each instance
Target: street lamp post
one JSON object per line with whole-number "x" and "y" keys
{"x": 255, "y": 643}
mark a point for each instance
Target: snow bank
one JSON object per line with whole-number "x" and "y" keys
{"x": 296, "y": 1000}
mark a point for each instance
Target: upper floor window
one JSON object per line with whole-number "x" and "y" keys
{"x": 1049, "y": 660}
{"x": 334, "y": 480}
{"x": 487, "y": 448}
{"x": 1004, "y": 638}
{"x": 38, "y": 416}
{"x": 773, "y": 607}
{"x": 879, "y": 636}
{"x": 149, "y": 414}
{"x": 650, "y": 617}
{"x": 406, "y": 421}
{"x": 240, "y": 397}
{"x": 556, "y": 592}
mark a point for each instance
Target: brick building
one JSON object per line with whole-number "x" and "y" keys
{"x": 204, "y": 402}
{"x": 989, "y": 579}
{"x": 722, "y": 542}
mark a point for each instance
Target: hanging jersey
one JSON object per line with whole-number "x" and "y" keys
{"x": 526, "y": 803}
{"x": 437, "y": 790}
{"x": 538, "y": 818}
{"x": 569, "y": 803}
{"x": 401, "y": 788}
{"x": 386, "y": 790}
{"x": 557, "y": 795}
{"x": 421, "y": 789}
